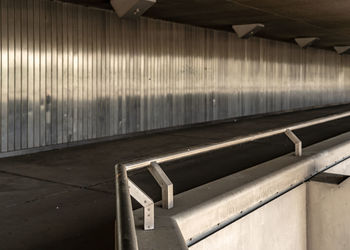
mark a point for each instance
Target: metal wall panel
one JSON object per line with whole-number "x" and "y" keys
{"x": 71, "y": 73}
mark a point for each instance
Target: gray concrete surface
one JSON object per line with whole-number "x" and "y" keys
{"x": 64, "y": 199}
{"x": 280, "y": 224}
{"x": 328, "y": 215}
{"x": 232, "y": 212}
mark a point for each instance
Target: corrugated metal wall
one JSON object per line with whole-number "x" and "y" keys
{"x": 69, "y": 73}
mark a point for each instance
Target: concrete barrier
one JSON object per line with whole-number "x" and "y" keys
{"x": 328, "y": 217}
{"x": 264, "y": 207}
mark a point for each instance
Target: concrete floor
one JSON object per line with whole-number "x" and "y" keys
{"x": 64, "y": 199}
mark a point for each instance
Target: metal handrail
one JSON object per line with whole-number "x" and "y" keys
{"x": 125, "y": 226}
{"x": 235, "y": 141}
{"x": 125, "y": 236}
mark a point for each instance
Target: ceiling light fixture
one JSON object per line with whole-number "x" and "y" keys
{"x": 305, "y": 42}
{"x": 341, "y": 49}
{"x": 245, "y": 31}
{"x": 131, "y": 8}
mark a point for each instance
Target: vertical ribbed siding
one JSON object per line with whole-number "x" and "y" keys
{"x": 70, "y": 73}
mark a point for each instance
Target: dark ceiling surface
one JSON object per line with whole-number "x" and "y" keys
{"x": 283, "y": 19}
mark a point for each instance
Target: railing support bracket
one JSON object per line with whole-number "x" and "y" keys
{"x": 147, "y": 204}
{"x": 165, "y": 184}
{"x": 297, "y": 142}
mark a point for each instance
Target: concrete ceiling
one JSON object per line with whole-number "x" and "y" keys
{"x": 283, "y": 19}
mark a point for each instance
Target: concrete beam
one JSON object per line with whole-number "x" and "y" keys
{"x": 271, "y": 179}
{"x": 245, "y": 31}
{"x": 305, "y": 42}
{"x": 341, "y": 49}
{"x": 131, "y": 8}
{"x": 342, "y": 168}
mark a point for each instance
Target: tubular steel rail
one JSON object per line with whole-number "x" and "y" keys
{"x": 125, "y": 227}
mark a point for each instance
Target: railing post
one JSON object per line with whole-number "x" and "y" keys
{"x": 165, "y": 184}
{"x": 125, "y": 237}
{"x": 146, "y": 202}
{"x": 297, "y": 142}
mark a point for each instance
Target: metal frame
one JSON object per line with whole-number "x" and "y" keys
{"x": 167, "y": 187}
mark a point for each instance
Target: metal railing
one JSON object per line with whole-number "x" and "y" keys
{"x": 125, "y": 237}
{"x": 125, "y": 228}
